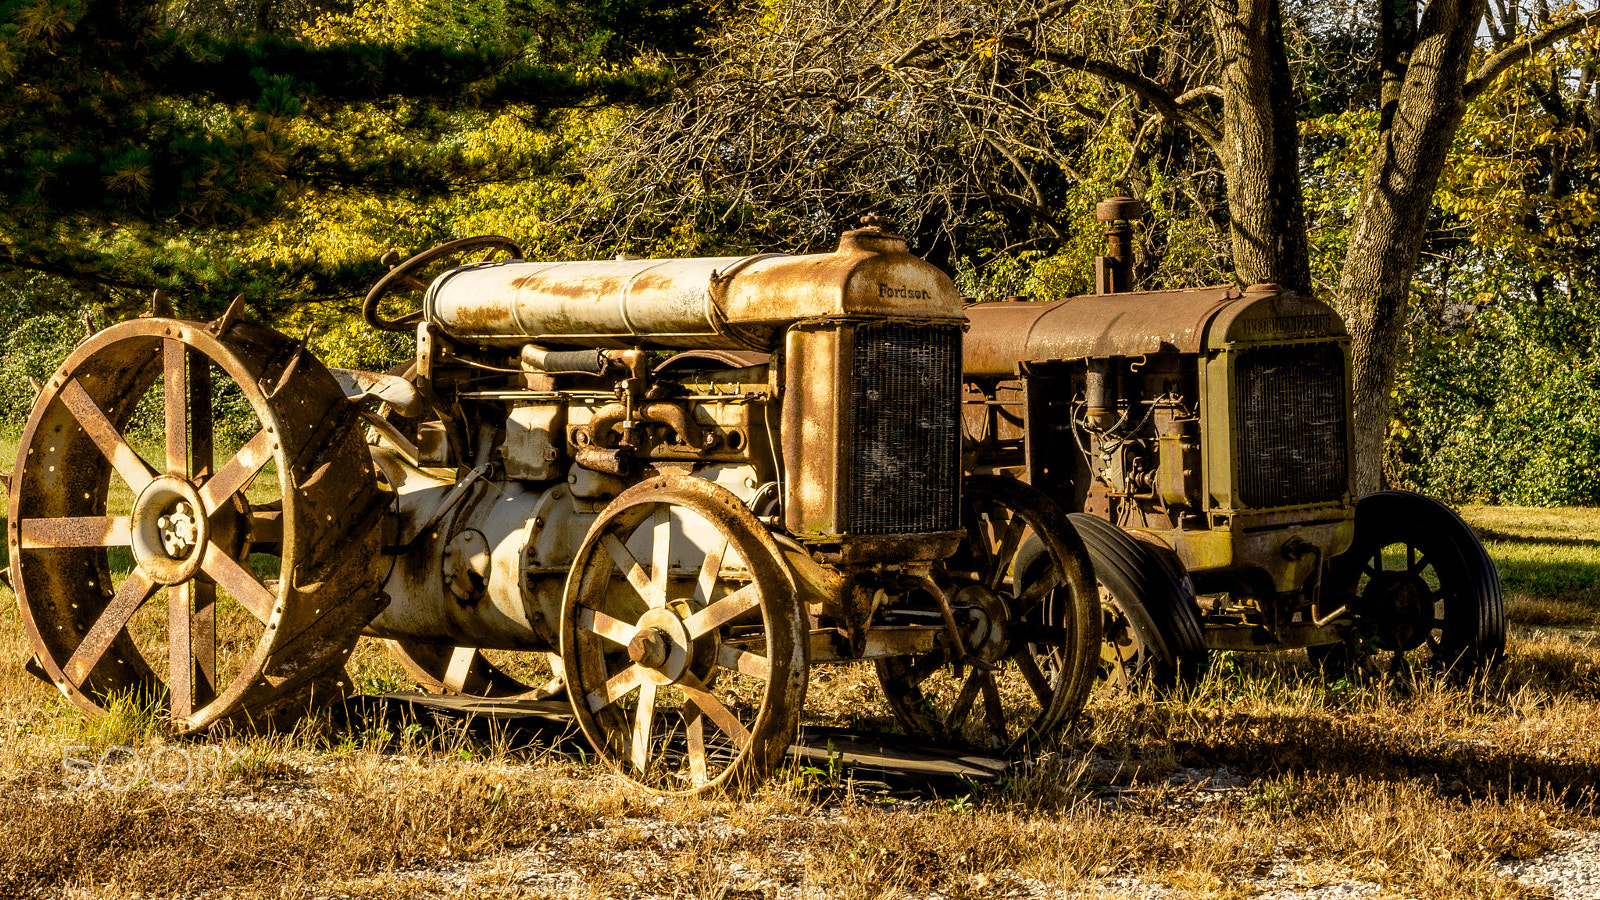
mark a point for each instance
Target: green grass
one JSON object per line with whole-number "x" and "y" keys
{"x": 1549, "y": 561}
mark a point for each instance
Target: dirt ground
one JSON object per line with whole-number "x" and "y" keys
{"x": 1264, "y": 780}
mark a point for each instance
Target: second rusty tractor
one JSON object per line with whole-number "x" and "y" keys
{"x": 1202, "y": 439}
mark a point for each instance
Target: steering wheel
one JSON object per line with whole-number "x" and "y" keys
{"x": 402, "y": 275}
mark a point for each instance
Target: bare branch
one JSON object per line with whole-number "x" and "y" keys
{"x": 1524, "y": 49}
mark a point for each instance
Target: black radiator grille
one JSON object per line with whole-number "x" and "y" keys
{"x": 905, "y": 451}
{"x": 1289, "y": 410}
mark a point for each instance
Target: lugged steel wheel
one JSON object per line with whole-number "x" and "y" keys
{"x": 1033, "y": 637}
{"x": 1417, "y": 582}
{"x": 1151, "y": 619}
{"x": 683, "y": 639}
{"x": 227, "y": 592}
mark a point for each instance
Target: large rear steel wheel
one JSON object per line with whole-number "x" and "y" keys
{"x": 1032, "y": 638}
{"x": 684, "y": 640}
{"x": 142, "y": 567}
{"x": 1418, "y": 586}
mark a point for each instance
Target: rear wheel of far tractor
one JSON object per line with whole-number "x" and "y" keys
{"x": 1032, "y": 636}
{"x": 683, "y": 639}
{"x": 1418, "y": 586}
{"x": 1151, "y": 619}
{"x": 145, "y": 570}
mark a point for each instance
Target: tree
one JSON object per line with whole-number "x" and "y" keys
{"x": 995, "y": 90}
{"x": 148, "y": 145}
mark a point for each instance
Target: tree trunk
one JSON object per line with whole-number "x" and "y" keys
{"x": 1260, "y": 145}
{"x": 1418, "y": 124}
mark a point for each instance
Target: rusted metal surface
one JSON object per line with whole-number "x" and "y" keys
{"x": 190, "y": 527}
{"x": 1007, "y": 333}
{"x": 729, "y": 303}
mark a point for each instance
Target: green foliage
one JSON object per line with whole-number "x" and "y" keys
{"x": 1504, "y": 409}
{"x": 144, "y": 145}
{"x": 31, "y": 347}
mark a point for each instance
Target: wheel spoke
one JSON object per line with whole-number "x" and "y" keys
{"x": 1035, "y": 678}
{"x": 134, "y": 592}
{"x": 266, "y": 526}
{"x": 723, "y": 611}
{"x": 175, "y": 393}
{"x": 1001, "y": 561}
{"x": 238, "y": 472}
{"x": 614, "y": 630}
{"x": 133, "y": 469}
{"x": 463, "y": 672}
{"x": 191, "y": 646}
{"x": 719, "y": 715}
{"x": 963, "y": 705}
{"x": 203, "y": 639}
{"x": 922, "y": 667}
{"x": 630, "y": 567}
{"x": 615, "y": 688}
{"x": 743, "y": 661}
{"x": 992, "y": 708}
{"x": 642, "y": 717}
{"x": 239, "y": 581}
{"x": 978, "y": 541}
{"x": 660, "y": 556}
{"x": 1034, "y": 593}
{"x": 202, "y": 438}
{"x": 77, "y": 531}
{"x": 697, "y": 745}
{"x": 709, "y": 571}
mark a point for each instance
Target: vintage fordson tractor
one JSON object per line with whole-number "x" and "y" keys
{"x": 1202, "y": 438}
{"x": 683, "y": 539}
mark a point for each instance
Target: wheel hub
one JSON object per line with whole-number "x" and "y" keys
{"x": 169, "y": 530}
{"x": 661, "y": 646}
{"x": 1399, "y": 609}
{"x": 988, "y": 637}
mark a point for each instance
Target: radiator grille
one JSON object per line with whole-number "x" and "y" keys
{"x": 905, "y": 459}
{"x": 1289, "y": 409}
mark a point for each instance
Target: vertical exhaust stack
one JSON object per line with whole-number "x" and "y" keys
{"x": 1113, "y": 273}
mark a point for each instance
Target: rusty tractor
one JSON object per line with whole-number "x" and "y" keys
{"x": 1201, "y": 439}
{"x": 672, "y": 485}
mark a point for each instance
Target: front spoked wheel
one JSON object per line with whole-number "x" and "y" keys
{"x": 683, "y": 639}
{"x": 1031, "y": 638}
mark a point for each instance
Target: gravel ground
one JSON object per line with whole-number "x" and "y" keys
{"x": 1571, "y": 873}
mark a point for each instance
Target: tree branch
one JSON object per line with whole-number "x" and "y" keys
{"x": 1159, "y": 97}
{"x": 1523, "y": 49}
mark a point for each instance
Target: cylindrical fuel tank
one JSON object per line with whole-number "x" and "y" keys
{"x": 713, "y": 303}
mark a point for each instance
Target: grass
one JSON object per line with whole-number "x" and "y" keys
{"x": 1419, "y": 786}
{"x": 1549, "y": 561}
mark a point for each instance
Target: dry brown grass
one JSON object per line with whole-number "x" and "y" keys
{"x": 1420, "y": 786}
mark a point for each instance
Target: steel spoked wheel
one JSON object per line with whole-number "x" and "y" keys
{"x": 155, "y": 555}
{"x": 1151, "y": 621}
{"x": 1418, "y": 586}
{"x": 683, "y": 639}
{"x": 1031, "y": 638}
